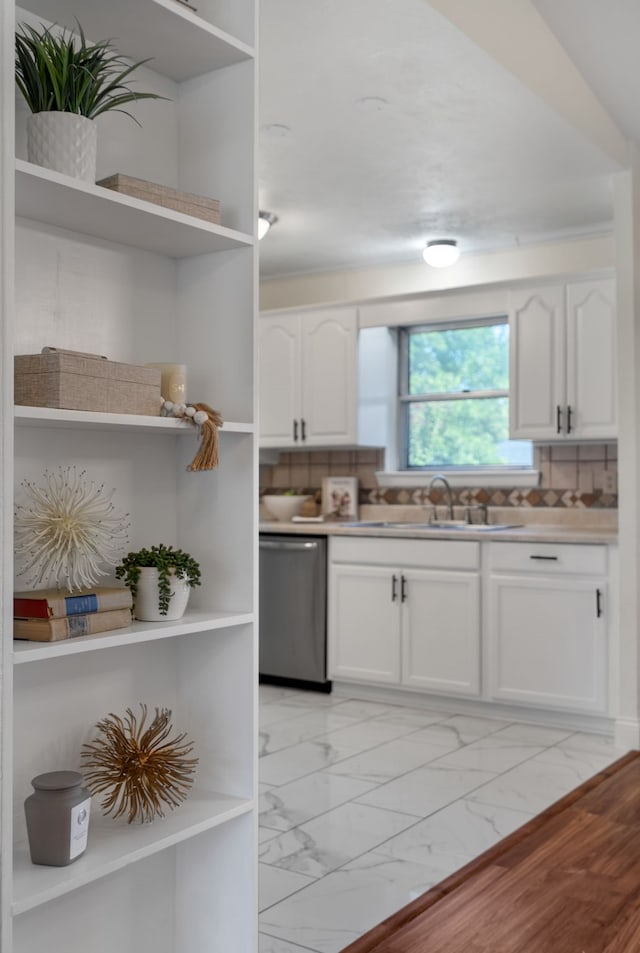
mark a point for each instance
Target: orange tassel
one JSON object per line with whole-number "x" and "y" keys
{"x": 207, "y": 456}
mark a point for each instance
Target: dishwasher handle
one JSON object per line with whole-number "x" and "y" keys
{"x": 288, "y": 545}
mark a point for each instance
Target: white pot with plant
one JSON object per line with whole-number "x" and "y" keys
{"x": 161, "y": 580}
{"x": 67, "y": 83}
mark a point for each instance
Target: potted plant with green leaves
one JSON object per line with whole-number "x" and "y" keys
{"x": 160, "y": 579}
{"x": 67, "y": 83}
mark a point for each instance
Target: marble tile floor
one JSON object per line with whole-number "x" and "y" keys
{"x": 364, "y": 805}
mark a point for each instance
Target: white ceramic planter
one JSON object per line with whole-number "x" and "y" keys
{"x": 63, "y": 142}
{"x": 146, "y": 607}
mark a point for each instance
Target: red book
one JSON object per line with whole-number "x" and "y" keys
{"x": 58, "y": 603}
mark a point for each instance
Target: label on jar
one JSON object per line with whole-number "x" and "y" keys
{"x": 79, "y": 828}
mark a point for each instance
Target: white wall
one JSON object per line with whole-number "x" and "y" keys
{"x": 545, "y": 262}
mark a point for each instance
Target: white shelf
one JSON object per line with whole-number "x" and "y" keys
{"x": 90, "y": 420}
{"x": 55, "y": 199}
{"x": 115, "y": 272}
{"x": 116, "y": 844}
{"x": 131, "y": 635}
{"x": 182, "y": 44}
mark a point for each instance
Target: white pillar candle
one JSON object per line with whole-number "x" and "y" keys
{"x": 173, "y": 383}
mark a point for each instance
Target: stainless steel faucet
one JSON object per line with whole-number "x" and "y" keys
{"x": 439, "y": 477}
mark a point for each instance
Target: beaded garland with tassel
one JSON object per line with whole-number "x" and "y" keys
{"x": 208, "y": 420}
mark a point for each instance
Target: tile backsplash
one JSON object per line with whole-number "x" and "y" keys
{"x": 307, "y": 470}
{"x": 583, "y": 475}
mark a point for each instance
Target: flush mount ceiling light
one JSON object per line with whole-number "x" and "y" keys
{"x": 265, "y": 221}
{"x": 441, "y": 252}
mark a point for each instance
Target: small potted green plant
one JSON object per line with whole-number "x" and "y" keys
{"x": 67, "y": 83}
{"x": 160, "y": 580}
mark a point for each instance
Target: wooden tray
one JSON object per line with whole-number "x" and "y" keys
{"x": 198, "y": 206}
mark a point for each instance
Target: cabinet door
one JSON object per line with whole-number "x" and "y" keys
{"x": 547, "y": 642}
{"x": 329, "y": 377}
{"x": 364, "y": 623}
{"x": 279, "y": 380}
{"x": 537, "y": 364}
{"x": 441, "y": 631}
{"x": 591, "y": 359}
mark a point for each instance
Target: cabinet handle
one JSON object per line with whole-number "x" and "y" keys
{"x": 598, "y": 603}
{"x": 403, "y": 589}
{"x": 394, "y": 588}
{"x": 569, "y": 412}
{"x": 551, "y": 559}
{"x": 558, "y": 419}
{"x": 295, "y": 430}
{"x": 303, "y": 429}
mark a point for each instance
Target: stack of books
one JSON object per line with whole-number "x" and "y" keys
{"x": 50, "y": 615}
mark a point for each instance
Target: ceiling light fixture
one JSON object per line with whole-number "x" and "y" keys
{"x": 265, "y": 221}
{"x": 441, "y": 252}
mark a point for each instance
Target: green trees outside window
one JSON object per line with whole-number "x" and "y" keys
{"x": 455, "y": 397}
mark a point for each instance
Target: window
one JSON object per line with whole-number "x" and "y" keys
{"x": 454, "y": 397}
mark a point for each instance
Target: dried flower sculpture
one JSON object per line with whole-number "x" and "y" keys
{"x": 208, "y": 421}
{"x": 67, "y": 529}
{"x": 139, "y": 770}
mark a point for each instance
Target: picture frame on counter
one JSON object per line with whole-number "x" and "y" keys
{"x": 340, "y": 498}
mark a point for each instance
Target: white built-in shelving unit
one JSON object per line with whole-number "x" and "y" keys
{"x": 91, "y": 270}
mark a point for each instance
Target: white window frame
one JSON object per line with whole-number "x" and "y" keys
{"x": 457, "y": 476}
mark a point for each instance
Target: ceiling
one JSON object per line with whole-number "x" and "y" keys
{"x": 383, "y": 126}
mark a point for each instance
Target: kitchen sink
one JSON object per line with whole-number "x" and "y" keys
{"x": 489, "y": 527}
{"x": 440, "y": 525}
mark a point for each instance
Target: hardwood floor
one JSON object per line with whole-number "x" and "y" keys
{"x": 568, "y": 881}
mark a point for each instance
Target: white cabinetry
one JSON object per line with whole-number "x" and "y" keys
{"x": 563, "y": 362}
{"x": 308, "y": 379}
{"x": 364, "y": 621}
{"x": 546, "y": 628}
{"x": 101, "y": 272}
{"x": 405, "y": 612}
{"x": 441, "y": 631}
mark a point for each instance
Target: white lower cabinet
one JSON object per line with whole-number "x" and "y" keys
{"x": 364, "y": 626}
{"x": 546, "y": 626}
{"x": 397, "y": 623}
{"x": 431, "y": 615}
{"x": 441, "y": 631}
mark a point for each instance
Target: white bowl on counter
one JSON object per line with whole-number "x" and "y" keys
{"x": 283, "y": 507}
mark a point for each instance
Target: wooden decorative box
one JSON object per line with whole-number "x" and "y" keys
{"x": 196, "y": 205}
{"x": 75, "y": 381}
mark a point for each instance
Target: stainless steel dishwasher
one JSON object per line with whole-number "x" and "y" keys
{"x": 293, "y": 611}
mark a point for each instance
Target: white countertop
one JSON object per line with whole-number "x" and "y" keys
{"x": 533, "y": 533}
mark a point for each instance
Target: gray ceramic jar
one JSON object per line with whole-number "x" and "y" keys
{"x": 57, "y": 818}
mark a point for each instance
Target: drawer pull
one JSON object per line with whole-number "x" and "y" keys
{"x": 569, "y": 412}
{"x": 394, "y": 588}
{"x": 403, "y": 589}
{"x": 558, "y": 419}
{"x": 295, "y": 430}
{"x": 598, "y": 603}
{"x": 550, "y": 559}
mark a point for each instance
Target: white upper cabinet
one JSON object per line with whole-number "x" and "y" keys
{"x": 308, "y": 379}
{"x": 563, "y": 360}
{"x": 279, "y": 380}
{"x": 536, "y": 373}
{"x": 591, "y": 359}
